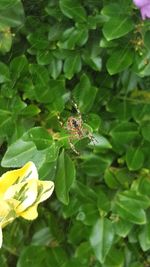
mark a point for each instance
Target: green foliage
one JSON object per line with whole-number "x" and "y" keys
{"x": 96, "y": 54}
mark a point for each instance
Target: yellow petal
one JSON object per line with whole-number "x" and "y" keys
{"x": 1, "y": 237}
{"x": 30, "y": 213}
{"x": 27, "y": 172}
{"x": 7, "y": 213}
{"x": 25, "y": 193}
{"x": 45, "y": 189}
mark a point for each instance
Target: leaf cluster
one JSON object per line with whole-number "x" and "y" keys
{"x": 96, "y": 53}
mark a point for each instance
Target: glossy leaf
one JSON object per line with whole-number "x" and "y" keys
{"x": 4, "y": 73}
{"x": 73, "y": 10}
{"x": 94, "y": 165}
{"x": 20, "y": 152}
{"x": 117, "y": 259}
{"x": 117, "y": 27}
{"x": 102, "y": 238}
{"x": 18, "y": 66}
{"x": 72, "y": 65}
{"x": 12, "y": 13}
{"x": 88, "y": 214}
{"x": 144, "y": 237}
{"x": 65, "y": 176}
{"x": 134, "y": 158}
{"x": 124, "y": 60}
{"x": 37, "y": 255}
{"x": 122, "y": 227}
{"x": 130, "y": 207}
{"x": 124, "y": 132}
{"x": 55, "y": 67}
{"x": 145, "y": 131}
{"x": 84, "y": 94}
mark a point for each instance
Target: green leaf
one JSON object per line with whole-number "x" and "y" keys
{"x": 88, "y": 214}
{"x": 84, "y": 94}
{"x": 102, "y": 238}
{"x": 20, "y": 152}
{"x": 73, "y": 10}
{"x": 46, "y": 90}
{"x": 143, "y": 115}
{"x": 4, "y": 4}
{"x": 130, "y": 206}
{"x": 94, "y": 165}
{"x": 85, "y": 193}
{"x": 72, "y": 65}
{"x": 146, "y": 131}
{"x": 117, "y": 27}
{"x": 4, "y": 73}
{"x": 39, "y": 74}
{"x": 40, "y": 137}
{"x": 99, "y": 142}
{"x": 12, "y": 13}
{"x": 95, "y": 62}
{"x": 52, "y": 92}
{"x": 18, "y": 67}
{"x": 73, "y": 262}
{"x": 3, "y": 260}
{"x": 30, "y": 110}
{"x": 38, "y": 39}
{"x": 141, "y": 64}
{"x": 6, "y": 123}
{"x": 122, "y": 227}
{"x": 76, "y": 233}
{"x": 124, "y": 59}
{"x": 144, "y": 237}
{"x": 122, "y": 109}
{"x": 136, "y": 264}
{"x": 141, "y": 200}
{"x": 103, "y": 202}
{"x": 41, "y": 237}
{"x": 94, "y": 121}
{"x": 72, "y": 37}
{"x": 124, "y": 132}
{"x": 6, "y": 39}
{"x": 39, "y": 255}
{"x": 44, "y": 57}
{"x": 83, "y": 252}
{"x": 114, "y": 10}
{"x": 117, "y": 177}
{"x": 116, "y": 260}
{"x": 65, "y": 177}
{"x": 55, "y": 67}
{"x": 134, "y": 158}
{"x": 144, "y": 185}
{"x": 110, "y": 179}
{"x": 147, "y": 39}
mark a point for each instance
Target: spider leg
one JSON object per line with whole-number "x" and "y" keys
{"x": 90, "y": 136}
{"x": 62, "y": 124}
{"x": 92, "y": 139}
{"x": 78, "y": 111}
{"x": 73, "y": 147}
{"x": 73, "y": 135}
{"x": 60, "y": 121}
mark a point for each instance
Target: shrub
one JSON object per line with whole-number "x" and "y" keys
{"x": 88, "y": 61}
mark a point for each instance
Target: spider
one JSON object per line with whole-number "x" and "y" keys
{"x": 75, "y": 128}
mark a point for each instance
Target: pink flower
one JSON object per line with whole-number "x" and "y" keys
{"x": 144, "y": 6}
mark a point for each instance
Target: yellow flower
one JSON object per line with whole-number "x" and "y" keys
{"x": 20, "y": 194}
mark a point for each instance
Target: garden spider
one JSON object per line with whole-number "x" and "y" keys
{"x": 75, "y": 127}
